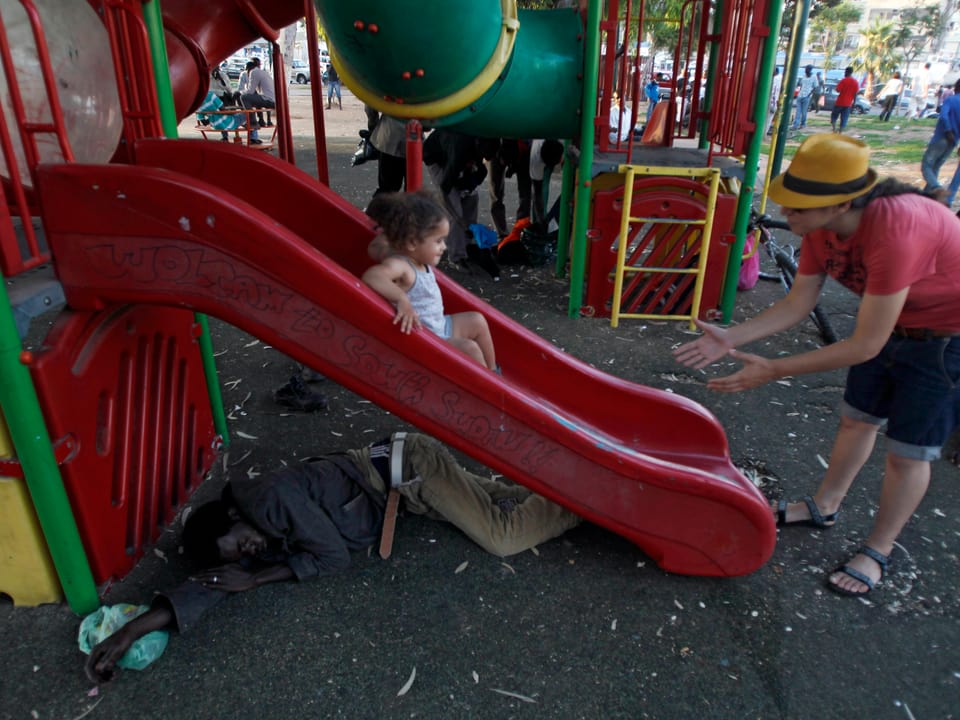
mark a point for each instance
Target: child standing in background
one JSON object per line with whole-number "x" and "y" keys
{"x": 414, "y": 230}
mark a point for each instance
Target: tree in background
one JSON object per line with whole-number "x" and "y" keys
{"x": 878, "y": 54}
{"x": 917, "y": 34}
{"x": 938, "y": 23}
{"x": 829, "y": 27}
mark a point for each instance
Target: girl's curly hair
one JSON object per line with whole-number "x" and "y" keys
{"x": 406, "y": 217}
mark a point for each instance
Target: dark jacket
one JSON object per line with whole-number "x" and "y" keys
{"x": 316, "y": 513}
{"x": 459, "y": 157}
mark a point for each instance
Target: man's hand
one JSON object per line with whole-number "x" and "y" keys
{"x": 707, "y": 349}
{"x": 756, "y": 371}
{"x": 101, "y": 665}
{"x": 227, "y": 578}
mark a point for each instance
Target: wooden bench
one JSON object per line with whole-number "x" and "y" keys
{"x": 241, "y": 134}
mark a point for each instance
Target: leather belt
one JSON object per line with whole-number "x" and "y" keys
{"x": 923, "y": 333}
{"x": 393, "y": 496}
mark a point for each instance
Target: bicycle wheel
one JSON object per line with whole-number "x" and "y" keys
{"x": 788, "y": 271}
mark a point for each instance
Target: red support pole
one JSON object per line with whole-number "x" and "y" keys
{"x": 316, "y": 93}
{"x": 414, "y": 155}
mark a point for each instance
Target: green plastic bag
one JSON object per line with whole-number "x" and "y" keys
{"x": 103, "y": 623}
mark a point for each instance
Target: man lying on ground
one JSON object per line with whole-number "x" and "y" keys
{"x": 303, "y": 521}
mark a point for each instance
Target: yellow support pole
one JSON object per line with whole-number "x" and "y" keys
{"x": 27, "y": 573}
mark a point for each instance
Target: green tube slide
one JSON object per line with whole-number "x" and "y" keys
{"x": 480, "y": 66}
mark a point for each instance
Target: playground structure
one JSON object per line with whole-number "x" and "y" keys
{"x": 111, "y": 422}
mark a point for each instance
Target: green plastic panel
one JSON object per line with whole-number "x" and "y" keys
{"x": 418, "y": 50}
{"x": 539, "y": 93}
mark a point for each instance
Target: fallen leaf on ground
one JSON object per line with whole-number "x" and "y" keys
{"x": 409, "y": 683}
{"x": 518, "y": 696}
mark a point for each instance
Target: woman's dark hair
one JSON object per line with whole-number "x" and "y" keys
{"x": 406, "y": 217}
{"x": 888, "y": 187}
{"x": 203, "y": 527}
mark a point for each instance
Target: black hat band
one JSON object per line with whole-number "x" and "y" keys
{"x": 815, "y": 187}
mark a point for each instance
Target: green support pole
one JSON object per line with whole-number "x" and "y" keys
{"x": 790, "y": 81}
{"x": 581, "y": 211}
{"x": 563, "y": 233}
{"x": 745, "y": 198}
{"x": 168, "y": 119}
{"x": 703, "y": 139}
{"x": 29, "y": 435}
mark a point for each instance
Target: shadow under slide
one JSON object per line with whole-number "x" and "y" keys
{"x": 244, "y": 237}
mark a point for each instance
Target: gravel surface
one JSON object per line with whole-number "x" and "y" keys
{"x": 587, "y": 626}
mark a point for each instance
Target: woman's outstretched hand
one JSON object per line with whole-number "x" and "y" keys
{"x": 756, "y": 371}
{"x": 706, "y": 349}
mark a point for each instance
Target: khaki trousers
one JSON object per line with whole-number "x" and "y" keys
{"x": 435, "y": 485}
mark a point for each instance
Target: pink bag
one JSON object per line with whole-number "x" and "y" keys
{"x": 749, "y": 268}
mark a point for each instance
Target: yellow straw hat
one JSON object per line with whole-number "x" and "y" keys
{"x": 828, "y": 169}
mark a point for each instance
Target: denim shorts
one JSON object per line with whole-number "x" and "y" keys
{"x": 913, "y": 386}
{"x": 447, "y": 327}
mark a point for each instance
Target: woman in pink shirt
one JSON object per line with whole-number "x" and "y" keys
{"x": 900, "y": 251}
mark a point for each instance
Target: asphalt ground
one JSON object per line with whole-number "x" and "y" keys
{"x": 586, "y": 626}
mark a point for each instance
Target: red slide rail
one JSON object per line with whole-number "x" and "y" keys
{"x": 645, "y": 464}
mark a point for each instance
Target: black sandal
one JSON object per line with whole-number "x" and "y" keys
{"x": 877, "y": 557}
{"x": 816, "y": 519}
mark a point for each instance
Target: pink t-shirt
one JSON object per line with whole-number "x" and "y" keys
{"x": 902, "y": 241}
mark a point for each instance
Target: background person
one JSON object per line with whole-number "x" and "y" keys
{"x": 652, "y": 92}
{"x": 333, "y": 86}
{"x": 208, "y": 114}
{"x": 900, "y": 252}
{"x": 946, "y": 134}
{"x": 890, "y": 95}
{"x": 847, "y": 90}
{"x": 456, "y": 163}
{"x": 921, "y": 88}
{"x": 806, "y": 85}
{"x": 506, "y": 158}
{"x": 816, "y": 97}
{"x": 389, "y": 137}
{"x": 543, "y": 154}
{"x": 260, "y": 92}
{"x": 775, "y": 87}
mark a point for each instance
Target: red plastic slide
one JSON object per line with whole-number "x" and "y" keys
{"x": 648, "y": 465}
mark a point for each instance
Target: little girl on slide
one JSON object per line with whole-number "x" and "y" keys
{"x": 414, "y": 230}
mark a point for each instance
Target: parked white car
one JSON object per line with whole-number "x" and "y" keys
{"x": 300, "y": 72}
